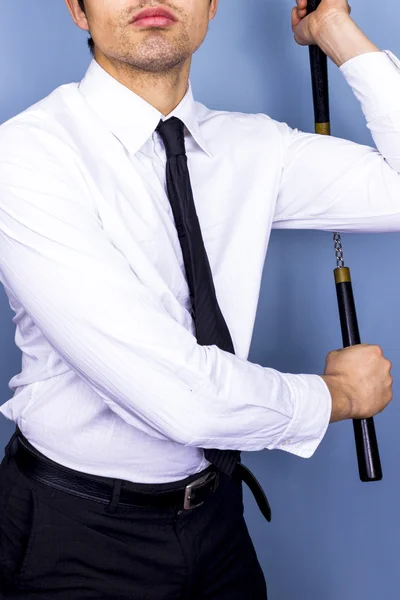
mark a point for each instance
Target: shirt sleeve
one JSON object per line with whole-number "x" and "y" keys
{"x": 115, "y": 333}
{"x": 333, "y": 184}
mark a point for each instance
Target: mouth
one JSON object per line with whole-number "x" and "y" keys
{"x": 154, "y": 17}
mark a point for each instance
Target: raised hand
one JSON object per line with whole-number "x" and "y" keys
{"x": 305, "y": 27}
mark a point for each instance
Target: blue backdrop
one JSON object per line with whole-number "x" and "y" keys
{"x": 332, "y": 537}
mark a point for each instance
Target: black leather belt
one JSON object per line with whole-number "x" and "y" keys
{"x": 57, "y": 476}
{"x": 100, "y": 489}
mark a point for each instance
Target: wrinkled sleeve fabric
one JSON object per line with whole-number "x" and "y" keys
{"x": 333, "y": 184}
{"x": 87, "y": 301}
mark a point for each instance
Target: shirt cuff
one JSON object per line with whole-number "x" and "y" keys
{"x": 375, "y": 80}
{"x": 312, "y": 414}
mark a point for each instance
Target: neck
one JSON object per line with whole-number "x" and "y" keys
{"x": 164, "y": 91}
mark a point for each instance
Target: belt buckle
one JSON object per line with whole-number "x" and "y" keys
{"x": 187, "y": 503}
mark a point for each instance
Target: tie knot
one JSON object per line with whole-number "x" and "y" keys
{"x": 171, "y": 132}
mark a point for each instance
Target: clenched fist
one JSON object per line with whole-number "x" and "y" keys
{"x": 359, "y": 381}
{"x": 306, "y": 27}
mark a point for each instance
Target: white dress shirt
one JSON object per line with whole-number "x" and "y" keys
{"x": 113, "y": 381}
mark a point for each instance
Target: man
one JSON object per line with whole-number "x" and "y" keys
{"x": 134, "y": 224}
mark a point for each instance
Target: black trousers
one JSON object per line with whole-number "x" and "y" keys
{"x": 56, "y": 546}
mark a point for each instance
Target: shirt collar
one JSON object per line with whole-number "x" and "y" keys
{"x": 131, "y": 118}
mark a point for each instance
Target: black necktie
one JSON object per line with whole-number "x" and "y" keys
{"x": 210, "y": 325}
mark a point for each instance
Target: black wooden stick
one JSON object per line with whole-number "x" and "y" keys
{"x": 369, "y": 464}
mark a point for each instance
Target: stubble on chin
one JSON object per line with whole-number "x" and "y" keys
{"x": 155, "y": 51}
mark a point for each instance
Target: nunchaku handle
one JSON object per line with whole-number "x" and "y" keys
{"x": 369, "y": 464}
{"x": 320, "y": 84}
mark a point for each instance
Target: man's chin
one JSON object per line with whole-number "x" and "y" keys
{"x": 157, "y": 65}
{"x": 158, "y": 61}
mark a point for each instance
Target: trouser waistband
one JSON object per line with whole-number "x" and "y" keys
{"x": 186, "y": 495}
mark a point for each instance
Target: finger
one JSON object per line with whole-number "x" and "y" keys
{"x": 295, "y": 18}
{"x": 302, "y": 4}
{"x": 378, "y": 350}
{"x": 299, "y": 14}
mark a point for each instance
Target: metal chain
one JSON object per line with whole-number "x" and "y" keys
{"x": 338, "y": 249}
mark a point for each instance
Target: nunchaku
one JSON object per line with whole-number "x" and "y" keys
{"x": 369, "y": 464}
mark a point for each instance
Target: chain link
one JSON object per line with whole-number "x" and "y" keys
{"x": 338, "y": 249}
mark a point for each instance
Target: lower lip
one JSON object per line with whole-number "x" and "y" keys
{"x": 153, "y": 22}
